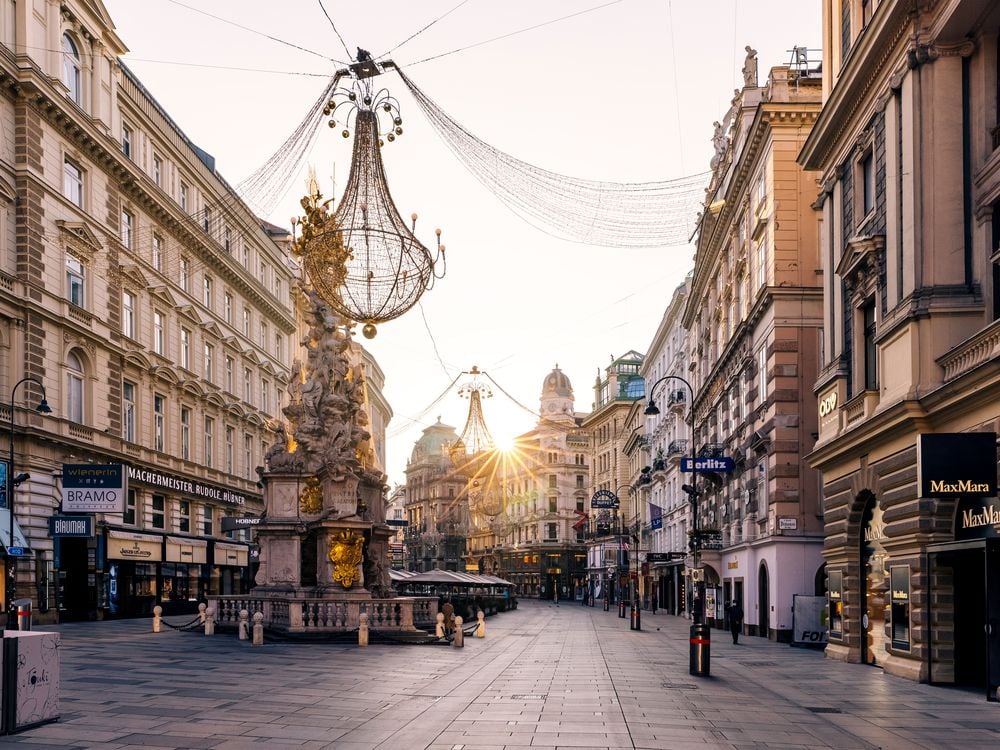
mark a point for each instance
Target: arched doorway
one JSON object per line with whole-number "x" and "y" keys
{"x": 874, "y": 581}
{"x": 763, "y": 603}
{"x": 820, "y": 583}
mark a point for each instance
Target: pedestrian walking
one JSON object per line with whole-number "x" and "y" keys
{"x": 735, "y": 620}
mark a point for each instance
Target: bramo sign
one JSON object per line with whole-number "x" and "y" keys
{"x": 93, "y": 488}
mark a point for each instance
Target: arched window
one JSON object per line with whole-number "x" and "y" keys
{"x": 71, "y": 69}
{"x": 74, "y": 388}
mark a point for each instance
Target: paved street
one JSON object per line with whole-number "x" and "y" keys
{"x": 545, "y": 677}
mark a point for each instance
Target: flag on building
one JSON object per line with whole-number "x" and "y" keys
{"x": 655, "y": 517}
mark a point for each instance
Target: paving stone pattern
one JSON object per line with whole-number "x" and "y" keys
{"x": 546, "y": 676}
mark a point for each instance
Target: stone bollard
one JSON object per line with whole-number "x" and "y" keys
{"x": 201, "y": 613}
{"x": 209, "y": 621}
{"x": 481, "y": 627}
{"x": 157, "y": 620}
{"x": 439, "y": 627}
{"x": 258, "y": 629}
{"x": 363, "y": 630}
{"x": 459, "y": 641}
{"x": 244, "y": 627}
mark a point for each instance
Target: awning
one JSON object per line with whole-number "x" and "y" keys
{"x": 456, "y": 578}
{"x": 127, "y": 545}
{"x": 400, "y": 575}
{"x": 19, "y": 539}
{"x": 231, "y": 554}
{"x": 184, "y": 550}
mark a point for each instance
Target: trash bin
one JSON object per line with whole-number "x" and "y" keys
{"x": 700, "y": 650}
{"x": 23, "y": 609}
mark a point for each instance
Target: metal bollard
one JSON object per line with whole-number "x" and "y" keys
{"x": 157, "y": 620}
{"x": 636, "y": 623}
{"x": 209, "y": 621}
{"x": 607, "y": 604}
{"x": 363, "y": 630}
{"x": 439, "y": 627}
{"x": 244, "y": 625}
{"x": 621, "y": 608}
{"x": 459, "y": 640}
{"x": 201, "y": 613}
{"x": 481, "y": 627}
{"x": 700, "y": 654}
{"x": 258, "y": 629}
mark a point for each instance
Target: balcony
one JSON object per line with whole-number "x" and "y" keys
{"x": 677, "y": 403}
{"x": 677, "y": 449}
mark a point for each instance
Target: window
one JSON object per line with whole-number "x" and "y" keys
{"x": 127, "y": 220}
{"x": 552, "y": 481}
{"x": 185, "y": 433}
{"x": 157, "y": 170}
{"x": 157, "y": 332}
{"x": 762, "y": 374}
{"x": 227, "y": 239}
{"x": 247, "y": 385}
{"x": 207, "y": 291}
{"x": 246, "y": 256}
{"x": 159, "y": 511}
{"x": 185, "y": 348}
{"x": 553, "y": 504}
{"x": 207, "y": 527}
{"x": 579, "y": 481}
{"x": 183, "y": 197}
{"x": 128, "y": 314}
{"x": 128, "y": 411}
{"x": 246, "y": 322}
{"x": 229, "y": 374}
{"x": 279, "y": 346}
{"x": 866, "y": 172}
{"x": 265, "y": 396}
{"x": 74, "y": 388}
{"x": 159, "y": 419}
{"x": 158, "y": 252}
{"x": 71, "y": 70}
{"x": 209, "y": 441}
{"x": 227, "y": 303}
{"x": 230, "y": 436}
{"x": 129, "y": 516}
{"x": 74, "y": 281}
{"x": 248, "y": 455}
{"x": 263, "y": 335}
{"x": 762, "y": 260}
{"x": 206, "y": 222}
{"x": 185, "y": 274}
{"x": 209, "y": 363}
{"x": 73, "y": 183}
{"x": 127, "y": 141}
{"x": 870, "y": 355}
{"x": 551, "y": 531}
{"x": 184, "y": 516}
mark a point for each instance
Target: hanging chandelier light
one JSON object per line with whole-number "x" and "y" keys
{"x": 362, "y": 258}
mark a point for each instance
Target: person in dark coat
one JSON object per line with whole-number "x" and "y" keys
{"x": 735, "y": 620}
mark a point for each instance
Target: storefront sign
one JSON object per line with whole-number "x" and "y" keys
{"x": 234, "y": 523}
{"x": 828, "y": 404}
{"x": 656, "y": 557}
{"x": 604, "y": 499}
{"x": 184, "y": 550}
{"x": 230, "y": 554}
{"x": 959, "y": 464}
{"x": 722, "y": 464}
{"x": 71, "y": 526}
{"x": 93, "y": 488}
{"x": 977, "y": 518}
{"x": 185, "y": 485}
{"x": 124, "y": 545}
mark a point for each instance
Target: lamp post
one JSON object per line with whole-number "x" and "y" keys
{"x": 42, "y": 408}
{"x": 633, "y": 569}
{"x": 691, "y": 489}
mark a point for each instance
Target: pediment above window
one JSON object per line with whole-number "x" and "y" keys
{"x": 131, "y": 272}
{"x": 163, "y": 294}
{"x": 79, "y": 237}
{"x": 860, "y": 264}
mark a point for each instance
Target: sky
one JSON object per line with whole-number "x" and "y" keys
{"x": 624, "y": 90}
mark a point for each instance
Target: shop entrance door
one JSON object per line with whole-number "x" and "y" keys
{"x": 993, "y": 619}
{"x": 763, "y": 603}
{"x": 74, "y": 593}
{"x": 970, "y": 618}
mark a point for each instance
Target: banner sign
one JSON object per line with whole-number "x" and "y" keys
{"x": 722, "y": 464}
{"x": 604, "y": 499}
{"x": 185, "y": 485}
{"x": 71, "y": 526}
{"x": 809, "y": 623}
{"x": 957, "y": 464}
{"x": 93, "y": 488}
{"x": 234, "y": 523}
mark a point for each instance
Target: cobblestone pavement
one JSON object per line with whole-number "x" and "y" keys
{"x": 546, "y": 676}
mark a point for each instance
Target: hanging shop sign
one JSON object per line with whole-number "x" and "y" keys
{"x": 185, "y": 485}
{"x": 722, "y": 464}
{"x": 62, "y": 526}
{"x": 977, "y": 518}
{"x": 93, "y": 488}
{"x": 604, "y": 499}
{"x": 957, "y": 464}
{"x": 235, "y": 523}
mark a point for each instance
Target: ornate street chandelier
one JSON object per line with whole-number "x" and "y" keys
{"x": 362, "y": 258}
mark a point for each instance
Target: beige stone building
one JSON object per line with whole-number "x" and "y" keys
{"x": 907, "y": 153}
{"x": 754, "y": 315}
{"x": 153, "y": 307}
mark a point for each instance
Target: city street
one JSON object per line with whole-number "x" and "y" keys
{"x": 546, "y": 676}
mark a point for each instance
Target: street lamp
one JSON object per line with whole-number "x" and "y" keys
{"x": 691, "y": 489}
{"x": 12, "y": 482}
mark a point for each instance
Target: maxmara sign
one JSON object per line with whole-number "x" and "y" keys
{"x": 977, "y": 519}
{"x": 957, "y": 464}
{"x": 185, "y": 485}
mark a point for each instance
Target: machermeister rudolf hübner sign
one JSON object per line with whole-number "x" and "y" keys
{"x": 93, "y": 488}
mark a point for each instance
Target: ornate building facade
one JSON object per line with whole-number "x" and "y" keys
{"x": 153, "y": 307}
{"x": 907, "y": 155}
{"x": 754, "y": 314}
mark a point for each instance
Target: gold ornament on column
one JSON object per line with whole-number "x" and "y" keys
{"x": 345, "y": 554}
{"x": 311, "y": 499}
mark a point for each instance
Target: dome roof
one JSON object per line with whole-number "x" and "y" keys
{"x": 434, "y": 440}
{"x": 557, "y": 384}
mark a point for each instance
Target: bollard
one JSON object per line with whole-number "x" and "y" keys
{"x": 636, "y": 623}
{"x": 258, "y": 629}
{"x": 363, "y": 630}
{"x": 157, "y": 620}
{"x": 621, "y": 608}
{"x": 201, "y": 613}
{"x": 607, "y": 604}
{"x": 459, "y": 640}
{"x": 209, "y": 621}
{"x": 244, "y": 626}
{"x": 481, "y": 627}
{"x": 439, "y": 627}
{"x": 700, "y": 654}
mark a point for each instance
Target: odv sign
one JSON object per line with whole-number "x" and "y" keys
{"x": 93, "y": 488}
{"x": 723, "y": 464}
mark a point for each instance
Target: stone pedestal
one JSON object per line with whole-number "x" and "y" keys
{"x": 340, "y": 557}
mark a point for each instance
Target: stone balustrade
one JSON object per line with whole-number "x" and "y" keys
{"x": 327, "y": 615}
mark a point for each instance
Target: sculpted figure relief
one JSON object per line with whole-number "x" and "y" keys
{"x": 750, "y": 67}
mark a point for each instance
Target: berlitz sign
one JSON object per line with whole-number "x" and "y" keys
{"x": 720, "y": 464}
{"x": 960, "y": 464}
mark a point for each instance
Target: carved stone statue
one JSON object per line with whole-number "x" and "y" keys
{"x": 720, "y": 141}
{"x": 750, "y": 68}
